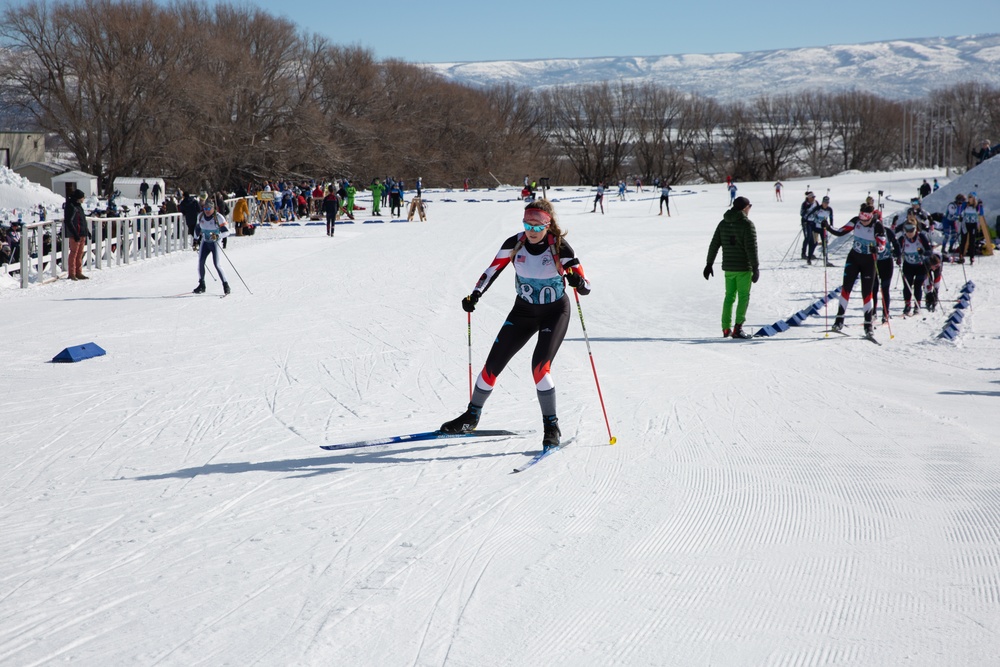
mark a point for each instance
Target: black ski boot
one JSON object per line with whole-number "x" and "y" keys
{"x": 739, "y": 333}
{"x": 465, "y": 422}
{"x": 906, "y": 309}
{"x": 225, "y": 288}
{"x": 838, "y": 325}
{"x": 200, "y": 289}
{"x": 869, "y": 332}
{"x": 551, "y": 432}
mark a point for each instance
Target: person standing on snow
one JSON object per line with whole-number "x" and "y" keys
{"x": 884, "y": 269}
{"x": 915, "y": 251}
{"x": 808, "y": 237}
{"x": 599, "y": 198}
{"x": 543, "y": 262}
{"x": 732, "y": 193}
{"x": 924, "y": 189}
{"x": 665, "y": 198}
{"x": 869, "y": 239}
{"x": 377, "y": 189}
{"x": 77, "y": 230}
{"x": 210, "y": 228}
{"x": 351, "y": 192}
{"x": 777, "y": 191}
{"x": 737, "y": 237}
{"x": 331, "y": 206}
{"x": 816, "y": 217}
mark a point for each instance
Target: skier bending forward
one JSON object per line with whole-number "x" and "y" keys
{"x": 542, "y": 261}
{"x": 869, "y": 240}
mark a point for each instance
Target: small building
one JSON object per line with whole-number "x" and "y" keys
{"x": 129, "y": 186}
{"x": 39, "y": 172}
{"x": 21, "y": 147}
{"x": 63, "y": 184}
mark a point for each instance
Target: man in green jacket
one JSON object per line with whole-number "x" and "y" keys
{"x": 737, "y": 237}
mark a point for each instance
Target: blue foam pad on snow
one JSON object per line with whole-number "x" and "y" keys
{"x": 373, "y": 222}
{"x": 79, "y": 353}
{"x": 968, "y": 287}
{"x": 781, "y": 326}
{"x": 399, "y": 220}
{"x": 956, "y": 316}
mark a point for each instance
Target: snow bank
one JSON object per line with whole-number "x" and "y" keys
{"x": 18, "y": 195}
{"x": 984, "y": 180}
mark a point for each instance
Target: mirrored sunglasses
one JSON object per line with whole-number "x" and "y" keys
{"x": 534, "y": 228}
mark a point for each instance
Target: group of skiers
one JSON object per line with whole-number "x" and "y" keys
{"x": 877, "y": 249}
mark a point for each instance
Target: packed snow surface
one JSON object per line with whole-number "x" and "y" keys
{"x": 798, "y": 500}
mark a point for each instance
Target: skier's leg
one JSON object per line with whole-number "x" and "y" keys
{"x": 729, "y": 300}
{"x": 743, "y": 280}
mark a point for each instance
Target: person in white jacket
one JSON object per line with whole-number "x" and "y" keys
{"x": 210, "y": 228}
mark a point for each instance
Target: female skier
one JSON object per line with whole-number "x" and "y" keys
{"x": 869, "y": 239}
{"x": 210, "y": 228}
{"x": 915, "y": 249}
{"x": 884, "y": 270}
{"x": 542, "y": 260}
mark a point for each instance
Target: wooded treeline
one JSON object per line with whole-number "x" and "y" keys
{"x": 224, "y": 94}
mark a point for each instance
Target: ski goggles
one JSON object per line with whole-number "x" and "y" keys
{"x": 536, "y": 220}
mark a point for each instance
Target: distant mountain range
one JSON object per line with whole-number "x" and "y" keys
{"x": 898, "y": 69}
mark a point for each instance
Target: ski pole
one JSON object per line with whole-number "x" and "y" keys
{"x": 234, "y": 268}
{"x": 826, "y": 303}
{"x": 794, "y": 241}
{"x": 470, "y": 353}
{"x": 611, "y": 439}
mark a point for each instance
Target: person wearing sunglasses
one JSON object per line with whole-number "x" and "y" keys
{"x": 869, "y": 239}
{"x": 543, "y": 263}
{"x": 211, "y": 227}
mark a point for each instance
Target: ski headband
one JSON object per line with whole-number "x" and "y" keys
{"x": 536, "y": 216}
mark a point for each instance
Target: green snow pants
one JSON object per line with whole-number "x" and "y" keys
{"x": 737, "y": 284}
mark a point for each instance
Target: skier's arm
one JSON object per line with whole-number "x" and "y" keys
{"x": 713, "y": 247}
{"x": 498, "y": 264}
{"x": 846, "y": 229}
{"x": 575, "y": 276}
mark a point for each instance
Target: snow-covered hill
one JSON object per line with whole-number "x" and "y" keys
{"x": 898, "y": 69}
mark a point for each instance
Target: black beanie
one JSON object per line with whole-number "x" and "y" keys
{"x": 78, "y": 194}
{"x": 740, "y": 203}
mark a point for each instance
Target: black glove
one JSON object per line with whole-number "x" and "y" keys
{"x": 708, "y": 271}
{"x": 469, "y": 302}
{"x": 195, "y": 243}
{"x": 899, "y": 262}
{"x": 574, "y": 279}
{"x": 754, "y": 274}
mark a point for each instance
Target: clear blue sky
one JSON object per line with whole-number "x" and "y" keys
{"x": 448, "y": 30}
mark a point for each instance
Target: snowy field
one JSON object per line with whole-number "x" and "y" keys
{"x": 795, "y": 500}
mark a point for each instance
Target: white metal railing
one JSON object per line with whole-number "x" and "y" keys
{"x": 113, "y": 242}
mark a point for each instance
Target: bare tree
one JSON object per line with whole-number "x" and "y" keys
{"x": 590, "y": 126}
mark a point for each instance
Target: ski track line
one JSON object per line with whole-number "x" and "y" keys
{"x": 209, "y": 624}
{"x": 48, "y": 626}
{"x": 441, "y": 542}
{"x": 66, "y": 553}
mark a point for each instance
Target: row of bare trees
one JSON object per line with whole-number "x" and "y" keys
{"x": 606, "y": 131}
{"x": 223, "y": 94}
